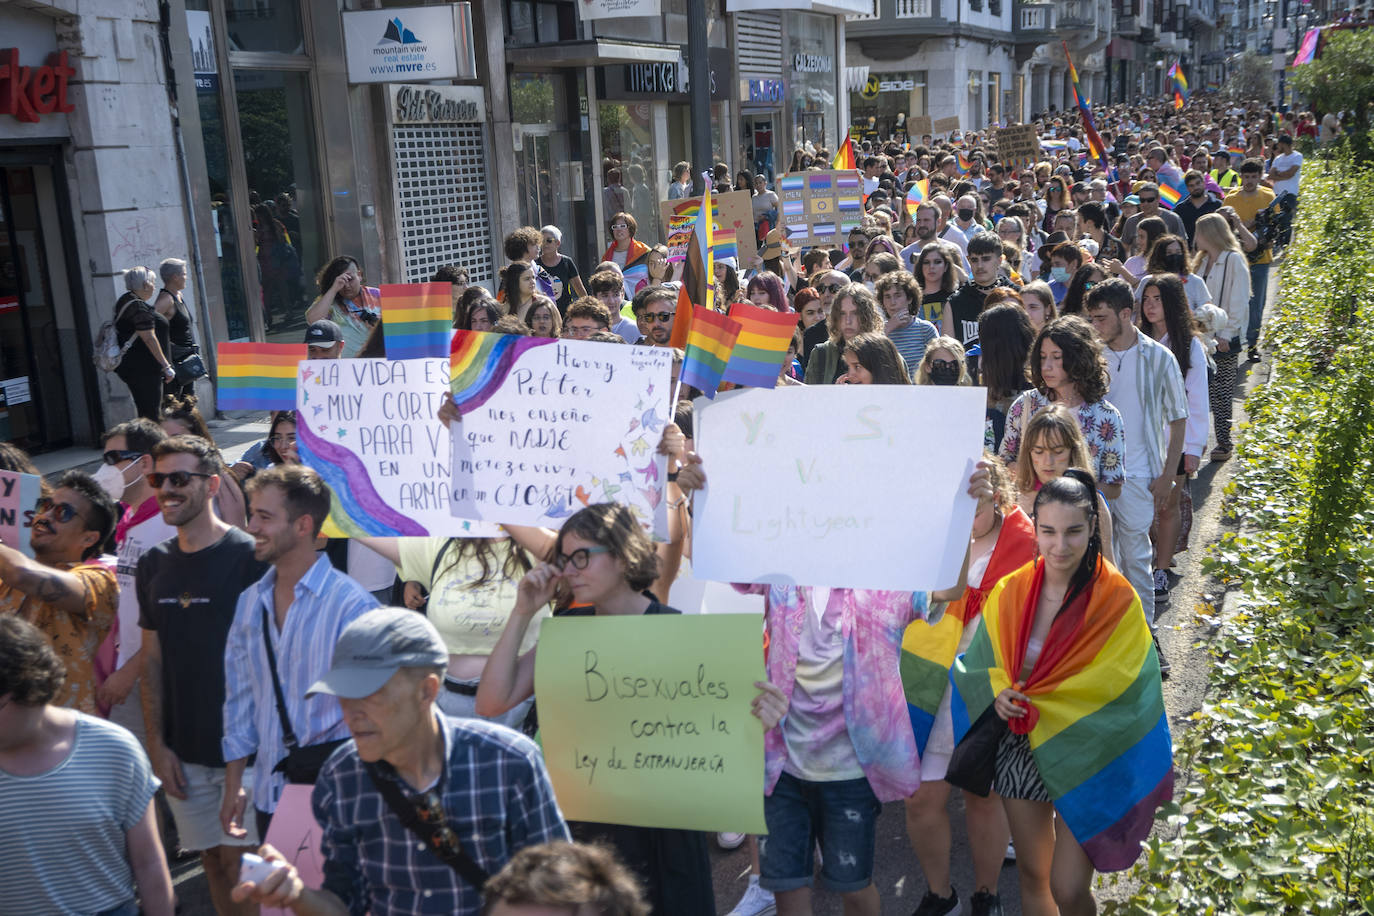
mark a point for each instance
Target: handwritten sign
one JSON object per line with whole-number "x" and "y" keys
{"x": 551, "y": 426}
{"x": 646, "y": 720}
{"x": 18, "y": 493}
{"x": 820, "y": 207}
{"x": 370, "y": 428}
{"x": 946, "y": 125}
{"x": 296, "y": 835}
{"x": 917, "y": 126}
{"x": 732, "y": 232}
{"x": 1018, "y": 147}
{"x": 848, "y": 486}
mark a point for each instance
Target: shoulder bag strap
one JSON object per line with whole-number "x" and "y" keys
{"x": 287, "y": 732}
{"x": 438, "y": 559}
{"x": 1225, "y": 274}
{"x": 455, "y": 858}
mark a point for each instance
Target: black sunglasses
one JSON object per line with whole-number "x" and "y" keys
{"x": 115, "y": 456}
{"x": 429, "y": 809}
{"x": 828, "y": 288}
{"x": 944, "y": 365}
{"x": 660, "y": 317}
{"x": 178, "y": 479}
{"x": 1148, "y": 200}
{"x": 63, "y": 512}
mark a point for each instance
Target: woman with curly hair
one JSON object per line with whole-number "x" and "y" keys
{"x": 1067, "y": 368}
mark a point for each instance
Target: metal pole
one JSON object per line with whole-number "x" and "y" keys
{"x": 699, "y": 66}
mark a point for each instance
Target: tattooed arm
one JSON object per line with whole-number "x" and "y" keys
{"x": 63, "y": 590}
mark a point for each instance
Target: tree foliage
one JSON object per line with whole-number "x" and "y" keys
{"x": 1342, "y": 78}
{"x": 1251, "y": 78}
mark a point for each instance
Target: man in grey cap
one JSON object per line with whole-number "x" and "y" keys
{"x": 418, "y": 809}
{"x": 324, "y": 340}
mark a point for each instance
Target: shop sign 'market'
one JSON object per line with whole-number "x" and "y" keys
{"x": 27, "y": 92}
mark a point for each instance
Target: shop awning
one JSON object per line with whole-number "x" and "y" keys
{"x": 594, "y": 52}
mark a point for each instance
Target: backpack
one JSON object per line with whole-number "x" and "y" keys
{"x": 108, "y": 351}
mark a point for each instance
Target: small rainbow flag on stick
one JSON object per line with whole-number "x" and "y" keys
{"x": 258, "y": 376}
{"x": 709, "y": 344}
{"x": 418, "y": 320}
{"x": 761, "y": 348}
{"x": 916, "y": 194}
{"x": 844, "y": 156}
{"x": 1170, "y": 193}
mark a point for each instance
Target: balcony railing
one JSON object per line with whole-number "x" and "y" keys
{"x": 1077, "y": 14}
{"x": 915, "y": 9}
{"x": 865, "y": 17}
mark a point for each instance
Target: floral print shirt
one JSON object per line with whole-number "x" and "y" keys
{"x": 1101, "y": 425}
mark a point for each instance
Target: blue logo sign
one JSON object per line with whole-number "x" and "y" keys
{"x": 396, "y": 33}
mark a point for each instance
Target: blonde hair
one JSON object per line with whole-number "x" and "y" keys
{"x": 1056, "y": 421}
{"x": 1216, "y": 232}
{"x": 953, "y": 346}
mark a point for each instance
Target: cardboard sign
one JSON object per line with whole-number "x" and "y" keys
{"x": 846, "y": 486}
{"x": 732, "y": 228}
{"x": 1018, "y": 147}
{"x": 946, "y": 125}
{"x": 370, "y": 428}
{"x": 551, "y": 426}
{"x": 646, "y": 720}
{"x": 820, "y": 208}
{"x": 296, "y": 835}
{"x": 917, "y": 126}
{"x": 18, "y": 493}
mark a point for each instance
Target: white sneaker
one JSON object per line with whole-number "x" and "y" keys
{"x": 1010, "y": 854}
{"x": 728, "y": 841}
{"x": 755, "y": 902}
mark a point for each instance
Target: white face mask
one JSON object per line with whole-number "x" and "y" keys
{"x": 111, "y": 480}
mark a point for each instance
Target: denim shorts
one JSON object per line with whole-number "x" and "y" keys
{"x": 842, "y": 816}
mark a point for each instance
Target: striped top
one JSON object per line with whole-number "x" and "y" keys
{"x": 62, "y": 832}
{"x": 325, "y": 602}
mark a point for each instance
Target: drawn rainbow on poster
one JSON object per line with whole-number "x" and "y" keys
{"x": 724, "y": 243}
{"x": 480, "y": 361}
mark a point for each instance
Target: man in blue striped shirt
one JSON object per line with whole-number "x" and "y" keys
{"x": 306, "y": 604}
{"x": 473, "y": 792}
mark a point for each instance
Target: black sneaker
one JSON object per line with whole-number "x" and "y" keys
{"x": 932, "y": 905}
{"x": 985, "y": 904}
{"x": 1252, "y": 355}
{"x": 1163, "y": 662}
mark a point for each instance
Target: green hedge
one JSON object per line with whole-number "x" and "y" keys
{"x": 1275, "y": 811}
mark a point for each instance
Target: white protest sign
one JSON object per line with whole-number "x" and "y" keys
{"x": 846, "y": 486}
{"x": 370, "y": 428}
{"x": 551, "y": 426}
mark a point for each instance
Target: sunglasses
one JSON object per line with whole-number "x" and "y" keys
{"x": 660, "y": 317}
{"x": 115, "y": 456}
{"x": 61, "y": 512}
{"x": 828, "y": 288}
{"x": 1148, "y": 200}
{"x": 549, "y": 241}
{"x": 178, "y": 479}
{"x": 944, "y": 365}
{"x": 429, "y": 808}
{"x": 579, "y": 558}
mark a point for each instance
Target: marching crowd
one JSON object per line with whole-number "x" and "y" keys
{"x": 183, "y": 643}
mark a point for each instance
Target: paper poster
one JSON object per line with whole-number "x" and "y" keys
{"x": 846, "y": 486}
{"x": 551, "y": 426}
{"x": 646, "y": 720}
{"x": 1018, "y": 147}
{"x": 918, "y": 126}
{"x": 732, "y": 227}
{"x": 820, "y": 208}
{"x": 295, "y": 834}
{"x": 370, "y": 428}
{"x": 257, "y": 376}
{"x": 946, "y": 125}
{"x": 18, "y": 493}
{"x": 417, "y": 319}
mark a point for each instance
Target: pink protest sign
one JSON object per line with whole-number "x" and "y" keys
{"x": 18, "y": 493}
{"x": 296, "y": 835}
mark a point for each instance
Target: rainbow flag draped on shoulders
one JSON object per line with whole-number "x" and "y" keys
{"x": 1097, "y": 726}
{"x": 928, "y": 650}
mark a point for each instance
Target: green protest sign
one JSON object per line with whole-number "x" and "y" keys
{"x": 646, "y": 720}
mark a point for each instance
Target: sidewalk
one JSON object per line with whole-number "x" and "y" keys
{"x": 234, "y": 434}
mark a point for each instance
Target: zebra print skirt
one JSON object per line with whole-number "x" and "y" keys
{"x": 1017, "y": 775}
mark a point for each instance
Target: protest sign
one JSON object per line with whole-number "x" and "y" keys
{"x": 418, "y": 319}
{"x": 1018, "y": 147}
{"x": 369, "y": 427}
{"x": 820, "y": 208}
{"x": 732, "y": 229}
{"x": 847, "y": 486}
{"x": 551, "y": 426}
{"x": 646, "y": 720}
{"x": 946, "y": 125}
{"x": 257, "y": 376}
{"x": 917, "y": 126}
{"x": 296, "y": 835}
{"x": 18, "y": 493}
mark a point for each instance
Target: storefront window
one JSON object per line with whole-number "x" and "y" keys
{"x": 283, "y": 192}
{"x": 811, "y": 84}
{"x": 880, "y": 109}
{"x": 264, "y": 25}
{"x": 628, "y": 172}
{"x": 550, "y": 168}
{"x": 994, "y": 99}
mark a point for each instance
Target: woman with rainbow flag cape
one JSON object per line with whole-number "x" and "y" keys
{"x": 1002, "y": 542}
{"x": 1058, "y": 706}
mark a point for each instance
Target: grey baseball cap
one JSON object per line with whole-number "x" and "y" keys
{"x": 377, "y": 645}
{"x": 323, "y": 333}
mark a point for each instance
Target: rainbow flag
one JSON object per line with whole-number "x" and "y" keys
{"x": 917, "y": 193}
{"x": 1096, "y": 146}
{"x": 257, "y": 376}
{"x": 1180, "y": 85}
{"x": 1235, "y": 150}
{"x": 762, "y": 345}
{"x": 418, "y": 320}
{"x": 709, "y": 344}
{"x": 698, "y": 277}
{"x": 1170, "y": 193}
{"x": 844, "y": 156}
{"x": 1096, "y": 721}
{"x": 961, "y": 162}
{"x": 480, "y": 361}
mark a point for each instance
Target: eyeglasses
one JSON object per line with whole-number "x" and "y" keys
{"x": 283, "y": 439}
{"x": 828, "y": 288}
{"x": 944, "y": 365}
{"x": 178, "y": 479}
{"x": 620, "y": 226}
{"x": 115, "y": 456}
{"x": 62, "y": 512}
{"x": 579, "y": 558}
{"x": 660, "y": 317}
{"x": 581, "y": 330}
{"x": 1148, "y": 200}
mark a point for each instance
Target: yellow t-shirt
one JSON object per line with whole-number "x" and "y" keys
{"x": 1247, "y": 205}
{"x": 469, "y": 618}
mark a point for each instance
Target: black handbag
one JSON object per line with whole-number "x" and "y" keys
{"x": 973, "y": 764}
{"x": 189, "y": 368}
{"x": 301, "y": 765}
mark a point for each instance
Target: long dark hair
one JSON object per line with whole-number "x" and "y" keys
{"x": 1083, "y": 362}
{"x": 330, "y": 272}
{"x": 879, "y": 355}
{"x": 1178, "y": 320}
{"x": 457, "y": 551}
{"x": 1078, "y": 289}
{"x": 1076, "y": 488}
{"x": 1006, "y": 336}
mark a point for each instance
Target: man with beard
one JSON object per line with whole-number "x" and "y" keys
{"x": 283, "y": 635}
{"x": 926, "y": 221}
{"x": 187, "y": 589}
{"x": 1197, "y": 204}
{"x": 654, "y": 308}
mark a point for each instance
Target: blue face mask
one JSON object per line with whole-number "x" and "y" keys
{"x": 1059, "y": 274}
{"x": 997, "y": 217}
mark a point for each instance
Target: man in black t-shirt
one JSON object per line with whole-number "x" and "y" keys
{"x": 188, "y": 589}
{"x": 560, "y": 268}
{"x": 966, "y": 304}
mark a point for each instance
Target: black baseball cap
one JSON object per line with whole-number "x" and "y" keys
{"x": 323, "y": 333}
